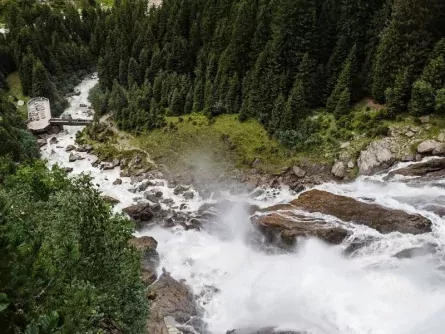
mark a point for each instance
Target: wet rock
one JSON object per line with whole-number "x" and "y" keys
{"x": 287, "y": 227}
{"x": 53, "y": 140}
{"x": 377, "y": 156}
{"x": 339, "y": 170}
{"x": 117, "y": 182}
{"x": 41, "y": 142}
{"x": 428, "y": 248}
{"x": 430, "y": 146}
{"x": 68, "y": 169}
{"x": 169, "y": 298}
{"x": 189, "y": 195}
{"x": 258, "y": 192}
{"x": 149, "y": 257}
{"x": 298, "y": 172}
{"x": 384, "y": 220}
{"x": 70, "y": 148}
{"x": 115, "y": 162}
{"x": 144, "y": 185}
{"x": 441, "y": 137}
{"x": 106, "y": 166}
{"x": 141, "y": 213}
{"x": 180, "y": 189}
{"x": 408, "y": 158}
{"x": 351, "y": 164}
{"x": 73, "y": 157}
{"x": 151, "y": 197}
{"x": 419, "y": 157}
{"x": 109, "y": 199}
{"x": 432, "y": 168}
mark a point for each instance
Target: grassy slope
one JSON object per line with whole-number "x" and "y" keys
{"x": 194, "y": 139}
{"x": 15, "y": 89}
{"x": 226, "y": 143}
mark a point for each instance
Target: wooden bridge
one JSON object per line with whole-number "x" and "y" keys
{"x": 70, "y": 121}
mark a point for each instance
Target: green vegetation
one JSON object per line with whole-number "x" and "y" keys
{"x": 15, "y": 90}
{"x": 56, "y": 246}
{"x": 225, "y": 141}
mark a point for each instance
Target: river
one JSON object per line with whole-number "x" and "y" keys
{"x": 315, "y": 289}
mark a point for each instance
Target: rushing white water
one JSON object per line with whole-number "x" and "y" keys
{"x": 316, "y": 288}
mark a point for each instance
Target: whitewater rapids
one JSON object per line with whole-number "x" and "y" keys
{"x": 317, "y": 288}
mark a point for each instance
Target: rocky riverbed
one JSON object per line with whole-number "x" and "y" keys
{"x": 359, "y": 257}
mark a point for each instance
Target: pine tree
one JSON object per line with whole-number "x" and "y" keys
{"x": 404, "y": 43}
{"x": 208, "y": 97}
{"x": 277, "y": 114}
{"x": 188, "y": 106}
{"x": 177, "y": 103}
{"x": 198, "y": 96}
{"x": 41, "y": 85}
{"x": 439, "y": 104}
{"x": 397, "y": 97}
{"x": 296, "y": 107}
{"x": 342, "y": 107}
{"x": 232, "y": 97}
{"x": 118, "y": 101}
{"x": 133, "y": 72}
{"x": 26, "y": 68}
{"x": 422, "y": 98}
{"x": 123, "y": 74}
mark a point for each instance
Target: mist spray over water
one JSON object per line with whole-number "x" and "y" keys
{"x": 314, "y": 288}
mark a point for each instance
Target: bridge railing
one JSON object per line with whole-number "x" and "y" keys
{"x": 74, "y": 121}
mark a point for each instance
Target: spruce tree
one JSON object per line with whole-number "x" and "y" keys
{"x": 123, "y": 73}
{"x": 188, "y": 106}
{"x": 296, "y": 107}
{"x": 41, "y": 85}
{"x": 397, "y": 97}
{"x": 198, "y": 96}
{"x": 422, "y": 98}
{"x": 277, "y": 114}
{"x": 342, "y": 107}
{"x": 26, "y": 68}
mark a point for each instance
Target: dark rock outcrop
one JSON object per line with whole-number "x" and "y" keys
{"x": 431, "y": 168}
{"x": 149, "y": 257}
{"x": 141, "y": 213}
{"x": 169, "y": 298}
{"x": 382, "y": 219}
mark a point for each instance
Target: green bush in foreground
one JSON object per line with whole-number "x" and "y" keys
{"x": 66, "y": 264}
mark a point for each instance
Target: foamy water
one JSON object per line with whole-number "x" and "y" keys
{"x": 316, "y": 288}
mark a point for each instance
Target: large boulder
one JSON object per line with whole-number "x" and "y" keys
{"x": 431, "y": 147}
{"x": 70, "y": 148}
{"x": 288, "y": 226}
{"x": 149, "y": 257}
{"x": 347, "y": 209}
{"x": 170, "y": 298}
{"x": 377, "y": 156}
{"x": 339, "y": 170}
{"x": 141, "y": 213}
{"x": 109, "y": 199}
{"x": 431, "y": 168}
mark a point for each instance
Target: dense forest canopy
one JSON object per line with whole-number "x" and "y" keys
{"x": 273, "y": 60}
